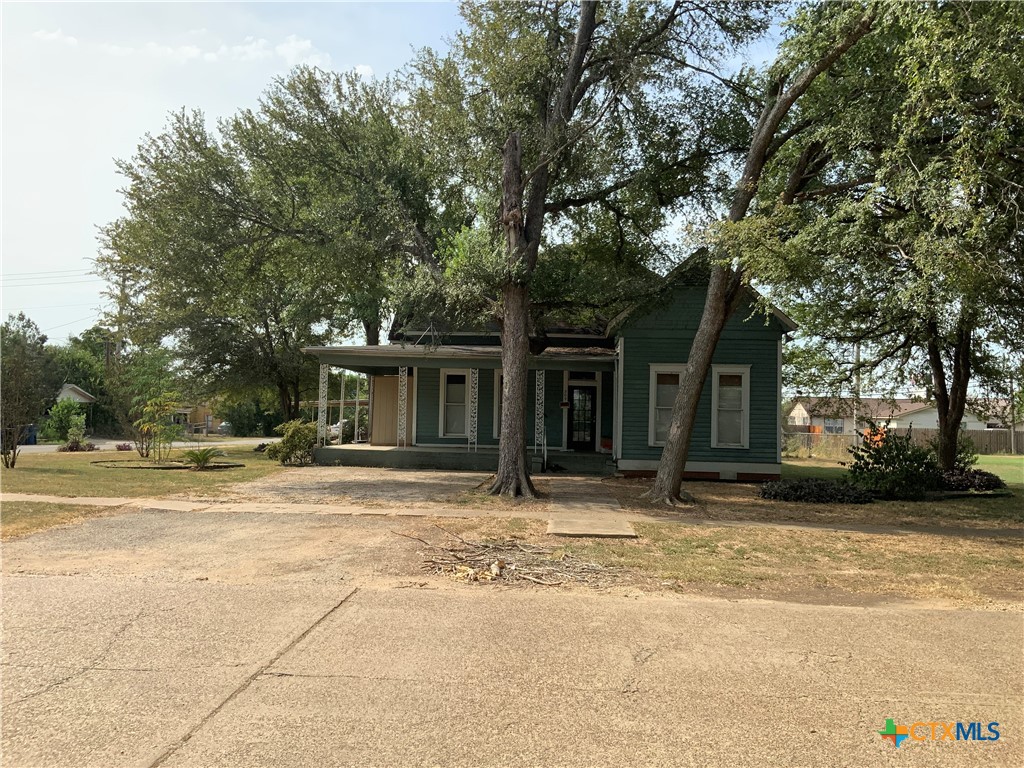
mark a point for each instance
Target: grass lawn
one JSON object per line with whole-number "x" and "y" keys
{"x": 73, "y": 474}
{"x": 739, "y": 501}
{"x": 18, "y": 518}
{"x": 1010, "y": 468}
{"x": 793, "y": 564}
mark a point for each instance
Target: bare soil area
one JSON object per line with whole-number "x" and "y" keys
{"x": 377, "y": 487}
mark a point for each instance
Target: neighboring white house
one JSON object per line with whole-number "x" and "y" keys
{"x": 79, "y": 395}
{"x": 843, "y": 416}
{"x": 927, "y": 417}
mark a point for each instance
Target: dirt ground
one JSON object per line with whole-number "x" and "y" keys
{"x": 371, "y": 487}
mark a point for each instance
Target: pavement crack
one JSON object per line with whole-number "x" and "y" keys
{"x": 640, "y": 657}
{"x": 244, "y": 685}
{"x": 93, "y": 663}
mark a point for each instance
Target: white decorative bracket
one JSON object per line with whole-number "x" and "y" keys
{"x": 403, "y": 405}
{"x": 474, "y": 404}
{"x": 321, "y": 411}
{"x": 538, "y": 412}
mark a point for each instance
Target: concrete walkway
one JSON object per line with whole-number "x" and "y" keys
{"x": 584, "y": 507}
{"x": 579, "y": 507}
{"x": 565, "y": 512}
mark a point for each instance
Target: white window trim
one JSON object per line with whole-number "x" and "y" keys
{"x": 657, "y": 368}
{"x": 445, "y": 372}
{"x": 744, "y": 371}
{"x": 498, "y": 383}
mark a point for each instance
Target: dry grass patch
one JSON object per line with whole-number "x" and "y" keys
{"x": 20, "y": 518}
{"x": 479, "y": 498}
{"x": 775, "y": 563}
{"x": 739, "y": 501}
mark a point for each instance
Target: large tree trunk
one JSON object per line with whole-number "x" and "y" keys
{"x": 718, "y": 307}
{"x": 372, "y": 332}
{"x": 513, "y": 478}
{"x": 951, "y": 400}
{"x": 725, "y": 283}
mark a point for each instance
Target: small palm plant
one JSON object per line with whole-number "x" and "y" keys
{"x": 202, "y": 458}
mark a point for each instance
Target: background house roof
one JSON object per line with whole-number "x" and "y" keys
{"x": 73, "y": 392}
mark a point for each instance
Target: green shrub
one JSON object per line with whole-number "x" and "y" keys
{"x": 58, "y": 421}
{"x": 298, "y": 439}
{"x": 891, "y": 466}
{"x": 971, "y": 480}
{"x": 202, "y": 458}
{"x": 815, "y": 490}
{"x": 76, "y": 437}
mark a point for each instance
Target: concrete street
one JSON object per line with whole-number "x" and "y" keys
{"x": 215, "y": 638}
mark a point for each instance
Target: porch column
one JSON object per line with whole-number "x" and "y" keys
{"x": 403, "y": 405}
{"x": 474, "y": 402}
{"x": 321, "y": 411}
{"x": 538, "y": 412}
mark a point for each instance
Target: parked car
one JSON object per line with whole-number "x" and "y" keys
{"x": 224, "y": 428}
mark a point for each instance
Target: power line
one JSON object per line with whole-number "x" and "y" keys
{"x": 51, "y": 306}
{"x": 71, "y": 322}
{"x": 48, "y": 272}
{"x": 43, "y": 285}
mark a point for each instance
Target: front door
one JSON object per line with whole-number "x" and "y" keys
{"x": 582, "y": 418}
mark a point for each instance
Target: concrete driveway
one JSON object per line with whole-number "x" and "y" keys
{"x": 216, "y": 639}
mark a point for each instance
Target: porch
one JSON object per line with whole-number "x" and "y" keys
{"x": 442, "y": 406}
{"x": 484, "y": 459}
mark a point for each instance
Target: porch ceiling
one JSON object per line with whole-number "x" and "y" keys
{"x": 385, "y": 360}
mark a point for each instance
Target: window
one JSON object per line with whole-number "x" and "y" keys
{"x": 834, "y": 426}
{"x": 499, "y": 394}
{"x": 662, "y": 396}
{"x": 730, "y": 406}
{"x": 454, "y": 396}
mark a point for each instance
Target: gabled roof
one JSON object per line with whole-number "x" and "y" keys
{"x": 865, "y": 407}
{"x": 76, "y": 393}
{"x": 693, "y": 271}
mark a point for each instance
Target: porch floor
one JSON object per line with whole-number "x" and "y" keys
{"x": 484, "y": 459}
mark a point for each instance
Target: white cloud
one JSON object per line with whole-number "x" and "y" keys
{"x": 57, "y": 36}
{"x": 295, "y": 50}
{"x": 178, "y": 53}
{"x": 365, "y": 71}
{"x": 250, "y": 49}
{"x": 292, "y": 50}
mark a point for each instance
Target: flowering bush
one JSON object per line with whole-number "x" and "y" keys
{"x": 892, "y": 466}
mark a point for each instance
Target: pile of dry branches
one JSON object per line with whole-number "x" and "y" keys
{"x": 509, "y": 561}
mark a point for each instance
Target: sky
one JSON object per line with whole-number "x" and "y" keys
{"x": 82, "y": 83}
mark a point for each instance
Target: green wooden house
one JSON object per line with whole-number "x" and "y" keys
{"x": 599, "y": 400}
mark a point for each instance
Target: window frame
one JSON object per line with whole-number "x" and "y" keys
{"x": 655, "y": 369}
{"x": 831, "y": 429}
{"x": 744, "y": 371}
{"x": 443, "y": 402}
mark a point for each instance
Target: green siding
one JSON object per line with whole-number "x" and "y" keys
{"x": 607, "y": 406}
{"x": 665, "y": 336}
{"x": 428, "y": 398}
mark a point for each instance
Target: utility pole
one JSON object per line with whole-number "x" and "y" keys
{"x": 856, "y": 382}
{"x": 1012, "y": 409}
